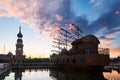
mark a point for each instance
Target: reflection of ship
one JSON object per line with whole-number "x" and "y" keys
{"x": 84, "y": 54}
{"x": 72, "y": 75}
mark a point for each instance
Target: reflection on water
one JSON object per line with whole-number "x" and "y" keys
{"x": 75, "y": 75}
{"x": 28, "y": 74}
{"x": 114, "y": 75}
{"x": 46, "y": 74}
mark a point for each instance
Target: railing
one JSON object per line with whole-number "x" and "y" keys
{"x": 103, "y": 51}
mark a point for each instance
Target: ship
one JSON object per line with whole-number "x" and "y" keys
{"x": 83, "y": 55}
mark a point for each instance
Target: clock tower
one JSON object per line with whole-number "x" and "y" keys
{"x": 19, "y": 47}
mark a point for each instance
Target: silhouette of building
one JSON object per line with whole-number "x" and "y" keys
{"x": 19, "y": 48}
{"x": 6, "y": 57}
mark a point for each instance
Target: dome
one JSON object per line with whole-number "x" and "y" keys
{"x": 88, "y": 38}
{"x": 10, "y": 53}
{"x": 20, "y": 35}
{"x": 19, "y": 41}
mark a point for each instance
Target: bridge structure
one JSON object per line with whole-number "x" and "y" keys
{"x": 33, "y": 65}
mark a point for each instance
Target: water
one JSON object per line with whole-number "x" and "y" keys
{"x": 47, "y": 74}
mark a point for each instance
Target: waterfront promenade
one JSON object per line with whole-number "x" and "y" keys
{"x": 4, "y": 67}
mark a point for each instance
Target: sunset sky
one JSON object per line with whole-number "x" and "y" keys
{"x": 40, "y": 21}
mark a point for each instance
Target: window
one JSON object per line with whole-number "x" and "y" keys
{"x": 74, "y": 60}
{"x": 67, "y": 60}
{"x": 82, "y": 61}
{"x": 87, "y": 51}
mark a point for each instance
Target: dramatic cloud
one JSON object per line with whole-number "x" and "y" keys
{"x": 42, "y": 15}
{"x": 109, "y": 20}
{"x": 47, "y": 16}
{"x": 106, "y": 38}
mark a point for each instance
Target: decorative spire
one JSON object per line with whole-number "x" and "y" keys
{"x": 20, "y": 34}
{"x": 20, "y": 29}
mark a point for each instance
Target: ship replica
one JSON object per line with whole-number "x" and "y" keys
{"x": 83, "y": 55}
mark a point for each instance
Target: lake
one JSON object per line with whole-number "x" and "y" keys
{"x": 48, "y": 74}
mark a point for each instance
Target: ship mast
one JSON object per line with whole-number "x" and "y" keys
{"x": 66, "y": 36}
{"x": 56, "y": 45}
{"x": 77, "y": 31}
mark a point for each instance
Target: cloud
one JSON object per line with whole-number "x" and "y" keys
{"x": 42, "y": 15}
{"x": 96, "y": 2}
{"x": 91, "y": 1}
{"x": 47, "y": 16}
{"x": 114, "y": 52}
{"x": 108, "y": 20}
{"x": 2, "y": 14}
{"x": 107, "y": 38}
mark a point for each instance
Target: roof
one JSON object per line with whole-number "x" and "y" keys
{"x": 88, "y": 38}
{"x": 20, "y": 34}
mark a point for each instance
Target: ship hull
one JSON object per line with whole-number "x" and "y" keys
{"x": 81, "y": 62}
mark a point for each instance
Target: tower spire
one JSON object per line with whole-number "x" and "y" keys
{"x": 20, "y": 34}
{"x": 20, "y": 28}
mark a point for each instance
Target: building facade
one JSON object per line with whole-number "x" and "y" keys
{"x": 19, "y": 48}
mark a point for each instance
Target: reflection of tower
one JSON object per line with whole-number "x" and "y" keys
{"x": 19, "y": 47}
{"x": 18, "y": 75}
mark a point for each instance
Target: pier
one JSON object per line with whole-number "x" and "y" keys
{"x": 4, "y": 67}
{"x": 33, "y": 65}
{"x": 114, "y": 66}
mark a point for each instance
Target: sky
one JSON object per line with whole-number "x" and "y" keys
{"x": 41, "y": 20}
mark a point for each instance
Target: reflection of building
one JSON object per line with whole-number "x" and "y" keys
{"x": 84, "y": 54}
{"x": 74, "y": 75}
{"x": 18, "y": 74}
{"x": 19, "y": 48}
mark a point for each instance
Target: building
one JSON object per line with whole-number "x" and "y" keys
{"x": 6, "y": 57}
{"x": 19, "y": 57}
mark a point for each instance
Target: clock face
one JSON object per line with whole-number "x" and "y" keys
{"x": 19, "y": 49}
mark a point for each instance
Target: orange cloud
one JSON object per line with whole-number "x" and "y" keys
{"x": 2, "y": 14}
{"x": 34, "y": 12}
{"x": 25, "y": 19}
{"x": 114, "y": 75}
{"x": 115, "y": 52}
